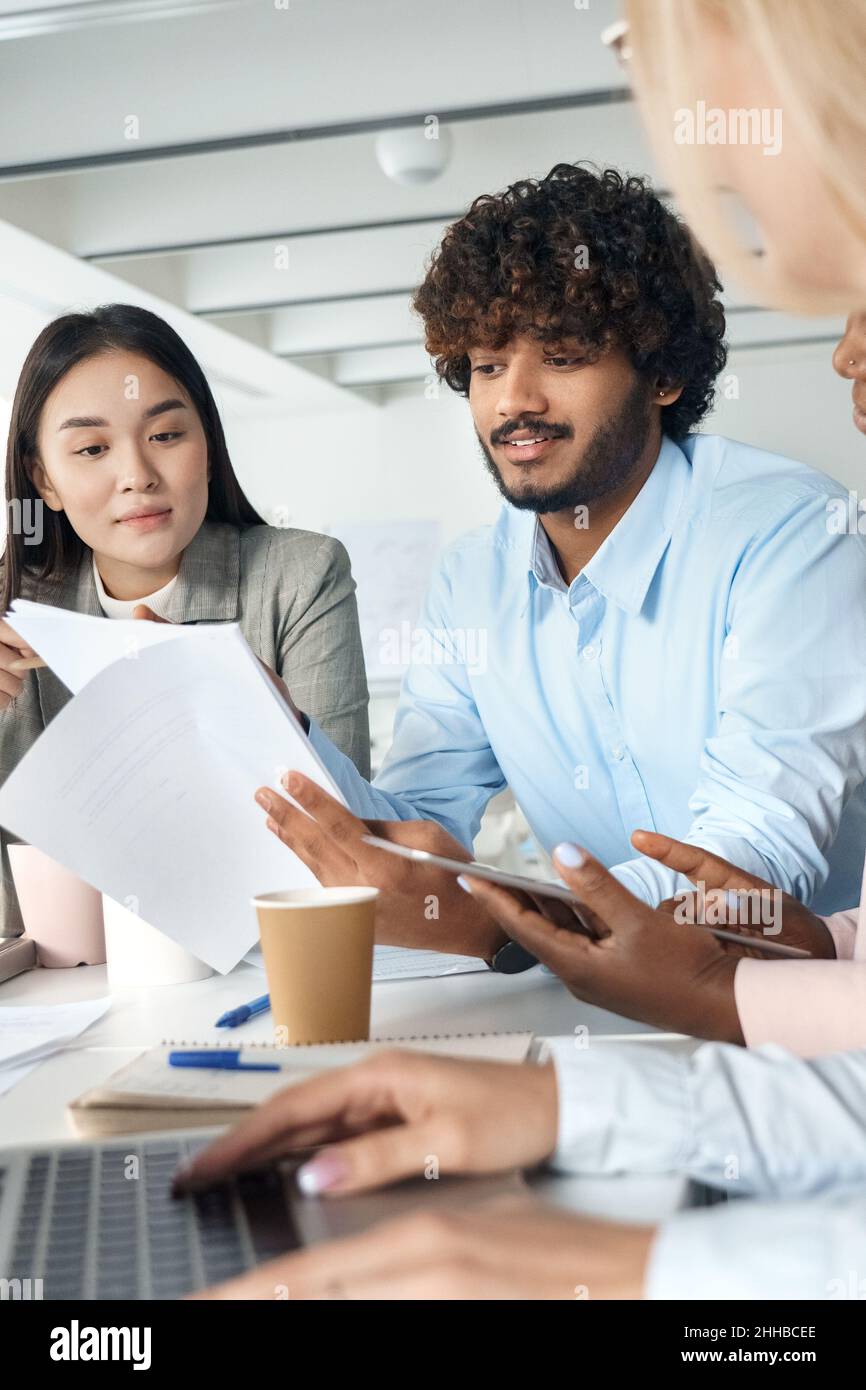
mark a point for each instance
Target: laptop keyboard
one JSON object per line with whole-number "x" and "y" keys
{"x": 100, "y": 1223}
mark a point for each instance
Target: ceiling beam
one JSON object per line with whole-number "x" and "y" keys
{"x": 41, "y": 282}
{"x": 605, "y": 96}
{"x": 229, "y": 309}
{"x": 218, "y": 243}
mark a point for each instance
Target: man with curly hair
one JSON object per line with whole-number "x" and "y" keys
{"x": 645, "y": 637}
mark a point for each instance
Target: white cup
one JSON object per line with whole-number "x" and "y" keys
{"x": 140, "y": 956}
{"x": 61, "y": 913}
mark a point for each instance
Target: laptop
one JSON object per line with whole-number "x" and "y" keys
{"x": 98, "y": 1221}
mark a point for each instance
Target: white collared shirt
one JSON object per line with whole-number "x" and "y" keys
{"x": 751, "y": 1123}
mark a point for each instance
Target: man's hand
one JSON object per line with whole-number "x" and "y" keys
{"x": 383, "y": 1117}
{"x": 641, "y": 962}
{"x": 514, "y": 1250}
{"x": 738, "y": 901}
{"x": 419, "y": 905}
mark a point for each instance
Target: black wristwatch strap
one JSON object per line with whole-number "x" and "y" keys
{"x": 512, "y": 959}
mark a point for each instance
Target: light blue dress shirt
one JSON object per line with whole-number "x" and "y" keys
{"x": 704, "y": 675}
{"x": 799, "y": 1250}
{"x": 750, "y": 1122}
{"x": 756, "y": 1124}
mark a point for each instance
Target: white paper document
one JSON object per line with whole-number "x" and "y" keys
{"x": 77, "y": 646}
{"x": 402, "y": 963}
{"x": 144, "y": 784}
{"x": 29, "y": 1033}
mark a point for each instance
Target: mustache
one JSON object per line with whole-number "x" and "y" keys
{"x": 542, "y": 429}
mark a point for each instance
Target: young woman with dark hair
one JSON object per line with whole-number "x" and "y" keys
{"x": 117, "y": 453}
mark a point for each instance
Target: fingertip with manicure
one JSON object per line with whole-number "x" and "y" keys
{"x": 322, "y": 1173}
{"x": 569, "y": 856}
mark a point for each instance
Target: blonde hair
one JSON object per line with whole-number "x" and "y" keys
{"x": 814, "y": 54}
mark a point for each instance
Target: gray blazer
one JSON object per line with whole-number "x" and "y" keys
{"x": 292, "y": 593}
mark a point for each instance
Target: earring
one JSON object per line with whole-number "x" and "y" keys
{"x": 851, "y": 361}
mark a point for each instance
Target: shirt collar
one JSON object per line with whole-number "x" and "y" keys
{"x": 124, "y": 608}
{"x": 624, "y": 565}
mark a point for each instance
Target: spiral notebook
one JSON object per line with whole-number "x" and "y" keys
{"x": 147, "y": 1094}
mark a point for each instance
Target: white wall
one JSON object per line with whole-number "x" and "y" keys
{"x": 792, "y": 402}
{"x": 414, "y": 457}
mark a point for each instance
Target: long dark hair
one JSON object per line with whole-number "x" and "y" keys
{"x": 59, "y": 347}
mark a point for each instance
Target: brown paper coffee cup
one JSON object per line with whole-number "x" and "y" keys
{"x": 318, "y": 949}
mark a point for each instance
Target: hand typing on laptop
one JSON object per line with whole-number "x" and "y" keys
{"x": 389, "y": 1114}
{"x": 383, "y": 1115}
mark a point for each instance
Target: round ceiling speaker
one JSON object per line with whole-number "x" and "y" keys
{"x": 415, "y": 154}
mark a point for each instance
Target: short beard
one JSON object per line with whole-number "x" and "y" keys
{"x": 608, "y": 462}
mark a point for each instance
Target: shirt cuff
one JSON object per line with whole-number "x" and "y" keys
{"x": 811, "y": 1007}
{"x": 622, "y": 1107}
{"x": 842, "y": 926}
{"x": 650, "y": 882}
{"x": 753, "y": 1250}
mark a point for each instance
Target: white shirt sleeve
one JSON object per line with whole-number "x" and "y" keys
{"x": 779, "y": 1250}
{"x": 749, "y": 1122}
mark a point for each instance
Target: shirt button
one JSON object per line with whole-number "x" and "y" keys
{"x": 590, "y": 652}
{"x": 618, "y": 752}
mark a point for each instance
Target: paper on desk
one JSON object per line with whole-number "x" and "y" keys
{"x": 143, "y": 785}
{"x": 77, "y": 646}
{"x": 10, "y": 1076}
{"x": 402, "y": 963}
{"x": 30, "y": 1032}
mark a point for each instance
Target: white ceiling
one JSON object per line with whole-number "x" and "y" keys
{"x": 254, "y": 124}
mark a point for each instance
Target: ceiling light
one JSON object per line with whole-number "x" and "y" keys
{"x": 414, "y": 154}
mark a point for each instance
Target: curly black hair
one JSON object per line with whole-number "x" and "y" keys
{"x": 586, "y": 254}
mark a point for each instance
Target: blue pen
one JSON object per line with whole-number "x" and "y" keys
{"x": 217, "y": 1060}
{"x": 243, "y": 1012}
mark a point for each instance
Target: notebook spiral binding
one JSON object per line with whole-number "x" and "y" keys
{"x": 230, "y": 1045}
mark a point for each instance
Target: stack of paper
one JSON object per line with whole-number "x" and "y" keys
{"x": 28, "y": 1034}
{"x": 144, "y": 784}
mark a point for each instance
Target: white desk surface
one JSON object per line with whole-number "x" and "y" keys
{"x": 33, "y": 1111}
